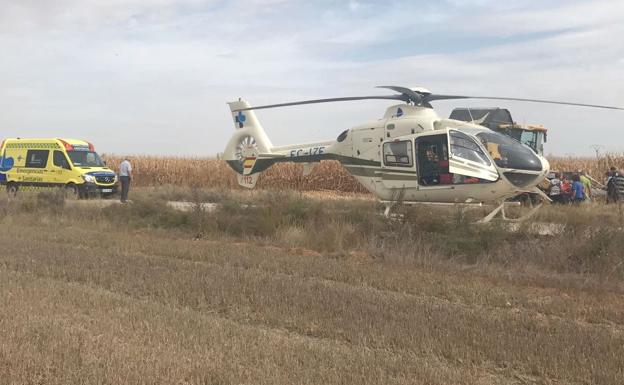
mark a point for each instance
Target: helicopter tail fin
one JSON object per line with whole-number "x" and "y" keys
{"x": 248, "y": 145}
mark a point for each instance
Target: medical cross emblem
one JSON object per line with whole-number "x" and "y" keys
{"x": 240, "y": 119}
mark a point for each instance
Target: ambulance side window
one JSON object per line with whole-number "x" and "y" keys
{"x": 37, "y": 158}
{"x": 60, "y": 160}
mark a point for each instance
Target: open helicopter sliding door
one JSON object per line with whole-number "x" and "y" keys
{"x": 432, "y": 157}
{"x": 398, "y": 166}
{"x": 467, "y": 161}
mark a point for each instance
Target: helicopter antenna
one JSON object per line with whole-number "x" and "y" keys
{"x": 471, "y": 117}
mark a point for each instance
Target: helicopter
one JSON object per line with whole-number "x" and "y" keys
{"x": 411, "y": 152}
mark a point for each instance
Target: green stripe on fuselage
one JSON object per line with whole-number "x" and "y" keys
{"x": 378, "y": 171}
{"x": 362, "y": 171}
{"x": 406, "y": 177}
{"x": 262, "y": 164}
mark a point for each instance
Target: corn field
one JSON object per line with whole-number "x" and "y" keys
{"x": 328, "y": 175}
{"x": 212, "y": 172}
{"x": 594, "y": 166}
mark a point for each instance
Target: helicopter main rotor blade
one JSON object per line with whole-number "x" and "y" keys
{"x": 420, "y": 98}
{"x": 329, "y": 100}
{"x": 433, "y": 97}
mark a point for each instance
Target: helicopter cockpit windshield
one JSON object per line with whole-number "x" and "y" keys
{"x": 465, "y": 147}
{"x": 469, "y": 159}
{"x": 509, "y": 153}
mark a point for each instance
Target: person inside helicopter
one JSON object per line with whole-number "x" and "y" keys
{"x": 433, "y": 159}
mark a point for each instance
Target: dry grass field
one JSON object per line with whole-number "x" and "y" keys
{"x": 288, "y": 289}
{"x": 328, "y": 175}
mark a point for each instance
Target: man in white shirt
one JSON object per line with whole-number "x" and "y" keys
{"x": 125, "y": 176}
{"x": 555, "y": 189}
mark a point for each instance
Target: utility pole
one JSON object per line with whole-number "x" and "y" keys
{"x": 597, "y": 148}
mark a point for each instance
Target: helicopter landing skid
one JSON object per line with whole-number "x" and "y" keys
{"x": 389, "y": 205}
{"x": 501, "y": 209}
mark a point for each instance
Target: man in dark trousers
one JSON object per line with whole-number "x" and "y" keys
{"x": 615, "y": 186}
{"x": 125, "y": 176}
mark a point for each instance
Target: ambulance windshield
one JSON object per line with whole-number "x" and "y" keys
{"x": 85, "y": 159}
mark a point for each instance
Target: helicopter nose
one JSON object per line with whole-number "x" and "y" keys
{"x": 519, "y": 164}
{"x": 529, "y": 178}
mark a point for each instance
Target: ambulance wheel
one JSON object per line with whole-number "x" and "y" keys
{"x": 12, "y": 189}
{"x": 72, "y": 191}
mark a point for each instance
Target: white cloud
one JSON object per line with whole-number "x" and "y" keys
{"x": 35, "y": 15}
{"x": 530, "y": 17}
{"x": 354, "y": 5}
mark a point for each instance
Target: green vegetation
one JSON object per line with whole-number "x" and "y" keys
{"x": 277, "y": 287}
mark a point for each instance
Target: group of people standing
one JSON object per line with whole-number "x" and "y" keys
{"x": 566, "y": 190}
{"x": 577, "y": 188}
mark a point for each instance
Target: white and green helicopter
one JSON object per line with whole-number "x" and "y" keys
{"x": 410, "y": 152}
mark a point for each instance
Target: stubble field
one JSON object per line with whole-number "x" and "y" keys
{"x": 281, "y": 288}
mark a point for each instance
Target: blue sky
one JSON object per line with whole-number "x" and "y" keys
{"x": 153, "y": 77}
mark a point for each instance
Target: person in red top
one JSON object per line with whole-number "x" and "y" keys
{"x": 566, "y": 190}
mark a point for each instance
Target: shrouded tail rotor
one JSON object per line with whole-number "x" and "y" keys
{"x": 246, "y": 144}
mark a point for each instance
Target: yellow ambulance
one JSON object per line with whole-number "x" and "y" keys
{"x": 44, "y": 163}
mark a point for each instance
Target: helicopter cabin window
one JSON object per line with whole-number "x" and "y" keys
{"x": 398, "y": 153}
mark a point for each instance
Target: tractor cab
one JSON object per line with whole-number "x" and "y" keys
{"x": 500, "y": 120}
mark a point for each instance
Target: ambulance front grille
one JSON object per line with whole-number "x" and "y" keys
{"x": 105, "y": 179}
